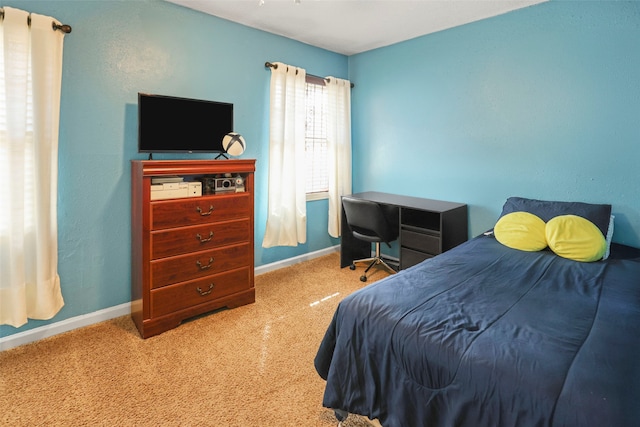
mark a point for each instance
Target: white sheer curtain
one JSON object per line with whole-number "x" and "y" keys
{"x": 30, "y": 81}
{"x": 287, "y": 209}
{"x": 339, "y": 147}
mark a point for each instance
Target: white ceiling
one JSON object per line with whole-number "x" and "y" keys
{"x": 354, "y": 26}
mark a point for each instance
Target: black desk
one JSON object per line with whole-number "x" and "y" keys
{"x": 427, "y": 228}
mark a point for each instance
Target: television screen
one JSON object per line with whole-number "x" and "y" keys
{"x": 170, "y": 124}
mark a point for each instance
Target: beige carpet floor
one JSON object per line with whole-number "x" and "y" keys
{"x": 250, "y": 366}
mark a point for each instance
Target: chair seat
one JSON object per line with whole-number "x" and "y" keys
{"x": 367, "y": 237}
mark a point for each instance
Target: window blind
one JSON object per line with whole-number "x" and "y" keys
{"x": 317, "y": 177}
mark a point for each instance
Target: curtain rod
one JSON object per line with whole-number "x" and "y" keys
{"x": 275, "y": 66}
{"x": 62, "y": 27}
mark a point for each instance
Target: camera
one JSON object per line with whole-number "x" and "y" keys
{"x": 223, "y": 185}
{"x": 227, "y": 184}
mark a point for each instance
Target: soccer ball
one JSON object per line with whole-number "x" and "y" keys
{"x": 233, "y": 143}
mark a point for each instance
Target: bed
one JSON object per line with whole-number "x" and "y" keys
{"x": 491, "y": 335}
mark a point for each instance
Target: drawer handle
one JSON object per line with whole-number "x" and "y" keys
{"x": 204, "y": 267}
{"x": 204, "y": 213}
{"x": 199, "y": 237}
{"x": 203, "y": 293}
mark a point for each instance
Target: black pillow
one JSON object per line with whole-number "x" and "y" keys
{"x": 598, "y": 214}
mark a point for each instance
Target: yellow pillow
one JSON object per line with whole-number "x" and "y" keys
{"x": 576, "y": 238}
{"x": 521, "y": 230}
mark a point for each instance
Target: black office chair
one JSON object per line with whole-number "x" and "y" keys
{"x": 369, "y": 221}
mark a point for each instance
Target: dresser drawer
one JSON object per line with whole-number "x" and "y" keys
{"x": 199, "y": 210}
{"x": 192, "y": 266}
{"x": 183, "y": 295}
{"x": 420, "y": 241}
{"x": 176, "y": 241}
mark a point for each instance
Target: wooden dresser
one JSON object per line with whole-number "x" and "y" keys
{"x": 190, "y": 255}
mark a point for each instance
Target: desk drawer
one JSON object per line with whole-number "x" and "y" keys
{"x": 422, "y": 242}
{"x": 192, "y": 266}
{"x": 183, "y": 240}
{"x": 410, "y": 257}
{"x": 188, "y": 294}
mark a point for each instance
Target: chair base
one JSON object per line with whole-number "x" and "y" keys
{"x": 376, "y": 260}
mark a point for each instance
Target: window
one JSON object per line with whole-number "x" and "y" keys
{"x": 7, "y": 156}
{"x": 316, "y": 151}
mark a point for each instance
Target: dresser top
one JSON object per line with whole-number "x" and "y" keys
{"x": 192, "y": 167}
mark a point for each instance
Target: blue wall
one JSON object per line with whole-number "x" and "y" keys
{"x": 116, "y": 49}
{"x": 543, "y": 102}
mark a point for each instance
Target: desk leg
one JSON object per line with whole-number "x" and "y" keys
{"x": 350, "y": 247}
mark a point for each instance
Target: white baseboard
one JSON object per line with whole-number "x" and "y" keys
{"x": 70, "y": 324}
{"x": 66, "y": 325}
{"x": 295, "y": 260}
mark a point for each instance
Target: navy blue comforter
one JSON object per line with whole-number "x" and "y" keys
{"x": 484, "y": 335}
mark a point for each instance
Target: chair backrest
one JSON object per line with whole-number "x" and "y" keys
{"x": 369, "y": 221}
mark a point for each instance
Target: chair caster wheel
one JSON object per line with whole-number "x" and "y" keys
{"x": 352, "y": 267}
{"x": 363, "y": 278}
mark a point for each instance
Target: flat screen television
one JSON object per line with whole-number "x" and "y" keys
{"x": 168, "y": 124}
